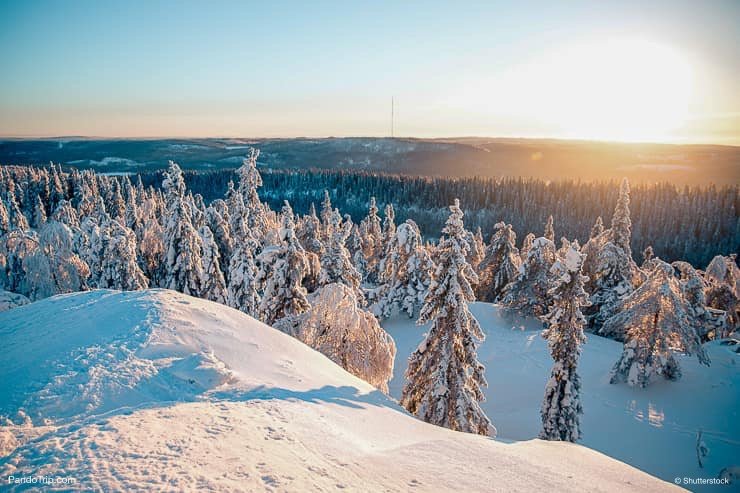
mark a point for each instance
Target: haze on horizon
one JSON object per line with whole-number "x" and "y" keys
{"x": 662, "y": 71}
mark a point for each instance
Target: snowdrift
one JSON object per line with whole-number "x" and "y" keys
{"x": 158, "y": 390}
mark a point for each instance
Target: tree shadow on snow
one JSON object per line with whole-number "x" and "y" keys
{"x": 345, "y": 395}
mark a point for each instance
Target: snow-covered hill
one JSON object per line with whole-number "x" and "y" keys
{"x": 654, "y": 429}
{"x": 158, "y": 390}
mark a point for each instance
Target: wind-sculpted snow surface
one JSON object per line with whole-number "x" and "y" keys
{"x": 156, "y": 390}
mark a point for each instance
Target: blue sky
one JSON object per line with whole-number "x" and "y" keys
{"x": 222, "y": 68}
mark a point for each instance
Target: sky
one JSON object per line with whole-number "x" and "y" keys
{"x": 666, "y": 71}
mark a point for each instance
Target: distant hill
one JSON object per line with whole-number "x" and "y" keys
{"x": 541, "y": 158}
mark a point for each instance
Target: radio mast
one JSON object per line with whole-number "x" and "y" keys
{"x": 393, "y": 115}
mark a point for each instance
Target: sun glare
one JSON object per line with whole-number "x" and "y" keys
{"x": 623, "y": 91}
{"x": 615, "y": 90}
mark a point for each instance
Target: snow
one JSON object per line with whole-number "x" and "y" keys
{"x": 653, "y": 429}
{"x": 10, "y": 300}
{"x": 158, "y": 390}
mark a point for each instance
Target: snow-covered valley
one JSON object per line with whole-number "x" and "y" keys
{"x": 654, "y": 429}
{"x": 158, "y": 390}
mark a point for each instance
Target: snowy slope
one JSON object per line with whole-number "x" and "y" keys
{"x": 158, "y": 390}
{"x": 654, "y": 429}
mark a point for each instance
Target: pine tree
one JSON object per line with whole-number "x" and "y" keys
{"x": 407, "y": 273}
{"x": 500, "y": 265}
{"x": 653, "y": 321}
{"x": 444, "y": 377}
{"x": 284, "y": 294}
{"x": 529, "y": 293}
{"x": 561, "y": 406}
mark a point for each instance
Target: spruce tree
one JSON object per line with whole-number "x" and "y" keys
{"x": 500, "y": 264}
{"x": 183, "y": 246}
{"x": 653, "y": 321}
{"x": 529, "y": 292}
{"x": 336, "y": 265}
{"x": 561, "y": 406}
{"x": 284, "y": 294}
{"x": 407, "y": 273}
{"x": 444, "y": 377}
{"x": 214, "y": 284}
{"x": 621, "y": 222}
{"x": 549, "y": 229}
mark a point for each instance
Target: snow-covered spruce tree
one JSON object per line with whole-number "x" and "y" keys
{"x": 183, "y": 246}
{"x": 355, "y": 250}
{"x": 219, "y": 222}
{"x": 647, "y": 257}
{"x": 4, "y": 218}
{"x": 477, "y": 249}
{"x": 610, "y": 281}
{"x": 598, "y": 228}
{"x": 654, "y": 322}
{"x": 549, "y": 229}
{"x": 214, "y": 284}
{"x": 284, "y": 294}
{"x": 308, "y": 231}
{"x": 54, "y": 268}
{"x": 326, "y": 214}
{"x": 389, "y": 226}
{"x": 336, "y": 265}
{"x": 150, "y": 244}
{"x": 526, "y": 246}
{"x": 39, "y": 213}
{"x": 561, "y": 406}
{"x": 16, "y": 217}
{"x": 371, "y": 236}
{"x": 66, "y": 214}
{"x": 529, "y": 293}
{"x": 15, "y": 247}
{"x": 724, "y": 270}
{"x": 444, "y": 379}
{"x": 406, "y": 275}
{"x": 118, "y": 267}
{"x": 500, "y": 264}
{"x": 621, "y": 222}
{"x": 242, "y": 284}
{"x": 249, "y": 181}
{"x": 337, "y": 327}
{"x": 722, "y": 298}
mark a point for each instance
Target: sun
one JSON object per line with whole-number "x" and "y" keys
{"x": 629, "y": 90}
{"x": 620, "y": 90}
